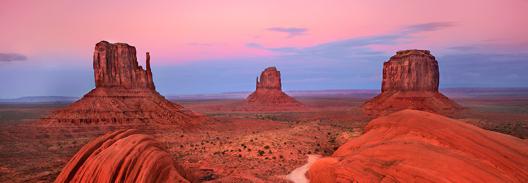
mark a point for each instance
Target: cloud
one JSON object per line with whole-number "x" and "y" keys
{"x": 291, "y": 31}
{"x": 10, "y": 57}
{"x": 354, "y": 48}
{"x": 254, "y": 45}
{"x": 483, "y": 68}
{"x": 431, "y": 26}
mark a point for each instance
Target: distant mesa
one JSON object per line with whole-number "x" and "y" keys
{"x": 410, "y": 81}
{"x": 268, "y": 94}
{"x": 124, "y": 94}
{"x": 418, "y": 146}
{"x": 121, "y": 156}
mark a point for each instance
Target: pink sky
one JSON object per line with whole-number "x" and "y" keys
{"x": 190, "y": 30}
{"x": 211, "y": 46}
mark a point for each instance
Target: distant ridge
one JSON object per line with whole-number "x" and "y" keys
{"x": 41, "y": 99}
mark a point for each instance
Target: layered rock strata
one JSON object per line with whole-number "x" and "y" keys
{"x": 121, "y": 156}
{"x": 124, "y": 94}
{"x": 269, "y": 92}
{"x": 410, "y": 81}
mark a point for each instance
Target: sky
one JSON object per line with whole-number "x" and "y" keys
{"x": 204, "y": 46}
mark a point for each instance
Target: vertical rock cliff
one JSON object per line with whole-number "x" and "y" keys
{"x": 411, "y": 70}
{"x": 270, "y": 79}
{"x": 115, "y": 65}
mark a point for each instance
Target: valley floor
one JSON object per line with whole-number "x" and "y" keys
{"x": 237, "y": 146}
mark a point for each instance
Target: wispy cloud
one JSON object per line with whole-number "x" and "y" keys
{"x": 10, "y": 57}
{"x": 291, "y": 31}
{"x": 431, "y": 26}
{"x": 355, "y": 47}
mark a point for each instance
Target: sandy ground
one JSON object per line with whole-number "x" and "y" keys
{"x": 239, "y": 146}
{"x": 298, "y": 175}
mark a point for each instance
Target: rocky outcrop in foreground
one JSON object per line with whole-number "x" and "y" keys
{"x": 124, "y": 94}
{"x": 268, "y": 94}
{"x": 410, "y": 81}
{"x": 417, "y": 146}
{"x": 121, "y": 156}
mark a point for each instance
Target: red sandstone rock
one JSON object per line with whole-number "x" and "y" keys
{"x": 121, "y": 156}
{"x": 410, "y": 81}
{"x": 411, "y": 70}
{"x": 115, "y": 65}
{"x": 269, "y": 94}
{"x": 124, "y": 94}
{"x": 417, "y": 146}
{"x": 270, "y": 79}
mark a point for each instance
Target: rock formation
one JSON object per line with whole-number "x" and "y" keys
{"x": 410, "y": 81}
{"x": 417, "y": 146}
{"x": 115, "y": 65}
{"x": 121, "y": 156}
{"x": 124, "y": 94}
{"x": 269, "y": 94}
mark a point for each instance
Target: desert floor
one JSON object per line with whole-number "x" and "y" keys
{"x": 233, "y": 145}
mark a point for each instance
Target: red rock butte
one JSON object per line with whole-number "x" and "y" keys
{"x": 418, "y": 146}
{"x": 121, "y": 156}
{"x": 269, "y": 94}
{"x": 410, "y": 81}
{"x": 124, "y": 94}
{"x": 115, "y": 65}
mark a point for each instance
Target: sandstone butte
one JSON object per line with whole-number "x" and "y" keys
{"x": 418, "y": 146}
{"x": 268, "y": 94}
{"x": 410, "y": 81}
{"x": 124, "y": 94}
{"x": 121, "y": 156}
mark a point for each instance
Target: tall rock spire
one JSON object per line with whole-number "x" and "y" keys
{"x": 150, "y": 82}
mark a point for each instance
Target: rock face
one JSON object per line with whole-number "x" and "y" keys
{"x": 124, "y": 94}
{"x": 417, "y": 146}
{"x": 121, "y": 156}
{"x": 269, "y": 94}
{"x": 411, "y": 70}
{"x": 270, "y": 79}
{"x": 410, "y": 81}
{"x": 115, "y": 65}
